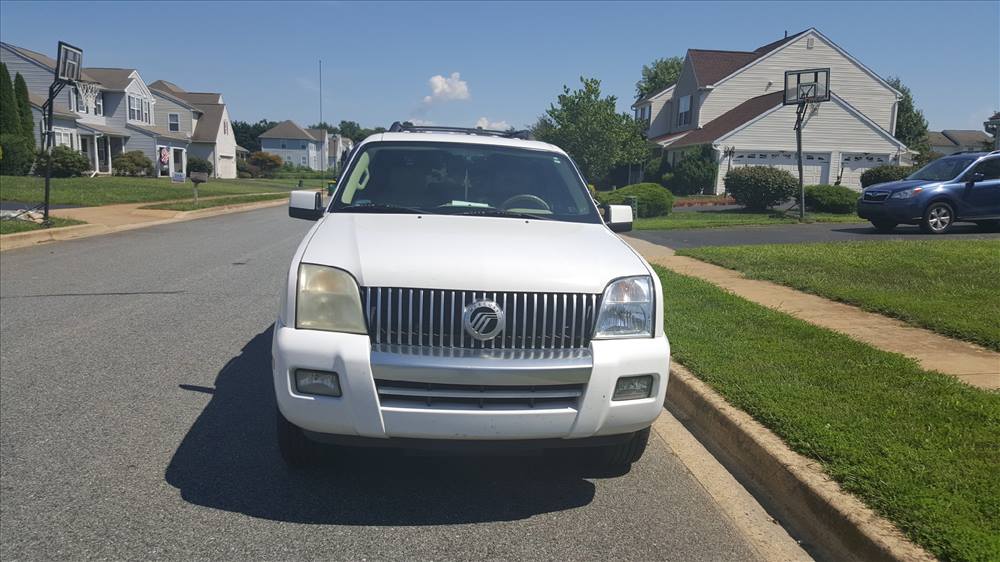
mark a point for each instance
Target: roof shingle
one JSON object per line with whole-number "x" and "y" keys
{"x": 287, "y": 130}
{"x": 728, "y": 121}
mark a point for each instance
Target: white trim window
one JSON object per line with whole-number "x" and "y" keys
{"x": 133, "y": 113}
{"x": 225, "y": 127}
{"x": 99, "y": 104}
{"x": 174, "y": 122}
{"x": 139, "y": 110}
{"x": 146, "y": 117}
{"x": 65, "y": 137}
{"x": 684, "y": 111}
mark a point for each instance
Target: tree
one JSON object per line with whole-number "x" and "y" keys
{"x": 10, "y": 121}
{"x": 911, "y": 127}
{"x": 658, "y": 75}
{"x": 247, "y": 135}
{"x": 24, "y": 110}
{"x": 589, "y": 128}
{"x": 331, "y": 129}
{"x": 357, "y": 133}
{"x": 266, "y": 162}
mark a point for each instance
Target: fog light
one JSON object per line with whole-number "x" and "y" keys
{"x": 317, "y": 382}
{"x": 632, "y": 388}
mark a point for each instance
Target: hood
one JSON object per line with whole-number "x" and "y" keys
{"x": 894, "y": 186}
{"x": 472, "y": 253}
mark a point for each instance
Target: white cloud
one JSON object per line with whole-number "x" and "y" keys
{"x": 421, "y": 122}
{"x": 447, "y": 89}
{"x": 495, "y": 125}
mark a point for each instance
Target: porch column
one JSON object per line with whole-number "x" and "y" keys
{"x": 97, "y": 163}
{"x": 107, "y": 150}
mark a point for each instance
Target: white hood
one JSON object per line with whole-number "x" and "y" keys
{"x": 472, "y": 253}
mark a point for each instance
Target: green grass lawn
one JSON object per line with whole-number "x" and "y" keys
{"x": 111, "y": 190}
{"x": 189, "y": 205}
{"x": 919, "y": 447}
{"x": 711, "y": 219}
{"x": 13, "y": 226}
{"x": 949, "y": 286}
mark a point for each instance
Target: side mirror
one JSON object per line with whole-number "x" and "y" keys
{"x": 618, "y": 217}
{"x": 306, "y": 205}
{"x": 974, "y": 177}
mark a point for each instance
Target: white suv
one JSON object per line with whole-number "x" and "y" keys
{"x": 461, "y": 288}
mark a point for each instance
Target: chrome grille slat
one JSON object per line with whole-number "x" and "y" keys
{"x": 431, "y": 317}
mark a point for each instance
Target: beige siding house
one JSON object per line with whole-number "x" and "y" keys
{"x": 207, "y": 127}
{"x": 732, "y": 101}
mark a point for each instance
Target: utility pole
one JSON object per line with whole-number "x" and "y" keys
{"x": 320, "y": 90}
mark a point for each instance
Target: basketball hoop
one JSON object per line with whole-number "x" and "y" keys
{"x": 88, "y": 91}
{"x": 805, "y": 89}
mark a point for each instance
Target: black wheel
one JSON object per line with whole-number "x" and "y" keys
{"x": 624, "y": 454}
{"x": 988, "y": 226}
{"x": 884, "y": 226}
{"x": 938, "y": 218}
{"x": 296, "y": 449}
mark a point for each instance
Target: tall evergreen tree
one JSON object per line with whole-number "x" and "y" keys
{"x": 911, "y": 126}
{"x": 24, "y": 109}
{"x": 10, "y": 121}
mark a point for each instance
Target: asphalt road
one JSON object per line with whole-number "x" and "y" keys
{"x": 799, "y": 233}
{"x": 137, "y": 416}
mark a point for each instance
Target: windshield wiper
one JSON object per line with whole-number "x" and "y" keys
{"x": 483, "y": 212}
{"x": 380, "y": 208}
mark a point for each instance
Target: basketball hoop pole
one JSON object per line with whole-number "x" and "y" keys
{"x": 799, "y": 115}
{"x": 54, "y": 90}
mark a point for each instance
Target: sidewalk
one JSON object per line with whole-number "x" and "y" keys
{"x": 115, "y": 218}
{"x": 969, "y": 363}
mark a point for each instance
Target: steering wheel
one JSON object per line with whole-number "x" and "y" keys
{"x": 535, "y": 202}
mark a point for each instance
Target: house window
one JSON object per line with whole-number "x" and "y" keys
{"x": 302, "y": 146}
{"x": 133, "y": 113}
{"x": 64, "y": 138}
{"x": 145, "y": 112}
{"x": 283, "y": 144}
{"x": 684, "y": 111}
{"x": 85, "y": 147}
{"x": 174, "y": 121}
{"x": 225, "y": 127}
{"x": 99, "y": 104}
{"x": 303, "y": 160}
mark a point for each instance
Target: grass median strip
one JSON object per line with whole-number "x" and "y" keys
{"x": 678, "y": 220}
{"x": 15, "y": 226}
{"x": 948, "y": 286}
{"x": 918, "y": 447}
{"x": 216, "y": 202}
{"x": 90, "y": 192}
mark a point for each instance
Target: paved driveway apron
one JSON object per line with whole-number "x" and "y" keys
{"x": 137, "y": 414}
{"x": 798, "y": 233}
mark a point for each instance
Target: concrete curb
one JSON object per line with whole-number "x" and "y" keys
{"x": 25, "y": 239}
{"x": 833, "y": 523}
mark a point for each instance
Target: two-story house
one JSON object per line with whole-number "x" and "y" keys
{"x": 733, "y": 102}
{"x": 339, "y": 146}
{"x": 298, "y": 146}
{"x": 204, "y": 118}
{"x": 951, "y": 141}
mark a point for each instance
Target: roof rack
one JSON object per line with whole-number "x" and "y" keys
{"x": 407, "y": 127}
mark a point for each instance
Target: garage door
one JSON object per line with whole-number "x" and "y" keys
{"x": 815, "y": 165}
{"x": 852, "y": 165}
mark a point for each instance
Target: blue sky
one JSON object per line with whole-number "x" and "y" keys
{"x": 512, "y": 59}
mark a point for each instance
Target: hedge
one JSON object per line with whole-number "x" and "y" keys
{"x": 132, "y": 163}
{"x": 760, "y": 187}
{"x": 882, "y": 174}
{"x": 831, "y": 199}
{"x": 692, "y": 175}
{"x": 654, "y": 199}
{"x": 66, "y": 162}
{"x": 198, "y": 164}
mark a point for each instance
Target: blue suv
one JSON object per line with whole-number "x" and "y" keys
{"x": 959, "y": 187}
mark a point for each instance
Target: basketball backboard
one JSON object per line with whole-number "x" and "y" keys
{"x": 810, "y": 86}
{"x": 69, "y": 61}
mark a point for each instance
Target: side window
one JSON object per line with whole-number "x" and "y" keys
{"x": 989, "y": 168}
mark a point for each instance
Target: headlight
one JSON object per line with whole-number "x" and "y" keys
{"x": 906, "y": 193}
{"x": 328, "y": 299}
{"x": 626, "y": 309}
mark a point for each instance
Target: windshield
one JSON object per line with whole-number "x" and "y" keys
{"x": 465, "y": 179}
{"x": 942, "y": 169}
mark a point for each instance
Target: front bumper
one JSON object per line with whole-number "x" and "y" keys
{"x": 359, "y": 411}
{"x": 900, "y": 211}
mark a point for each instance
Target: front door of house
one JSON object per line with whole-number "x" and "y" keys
{"x": 102, "y": 153}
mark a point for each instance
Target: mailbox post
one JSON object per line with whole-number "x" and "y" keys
{"x": 198, "y": 178}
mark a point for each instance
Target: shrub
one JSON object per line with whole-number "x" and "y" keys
{"x": 266, "y": 163}
{"x": 666, "y": 178}
{"x": 831, "y": 199}
{"x": 18, "y": 155}
{"x": 654, "y": 199}
{"x": 760, "y": 187}
{"x": 196, "y": 164}
{"x": 694, "y": 173}
{"x": 66, "y": 162}
{"x": 133, "y": 163}
{"x": 882, "y": 174}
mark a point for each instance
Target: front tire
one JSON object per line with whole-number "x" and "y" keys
{"x": 884, "y": 226}
{"x": 296, "y": 449}
{"x": 938, "y": 218}
{"x": 622, "y": 455}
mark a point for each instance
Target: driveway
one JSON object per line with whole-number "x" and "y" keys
{"x": 798, "y": 233}
{"x": 137, "y": 421}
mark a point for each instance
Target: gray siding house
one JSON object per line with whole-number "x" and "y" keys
{"x": 298, "y": 146}
{"x": 164, "y": 123}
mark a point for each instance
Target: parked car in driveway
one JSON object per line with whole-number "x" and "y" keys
{"x": 462, "y": 289}
{"x": 960, "y": 187}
